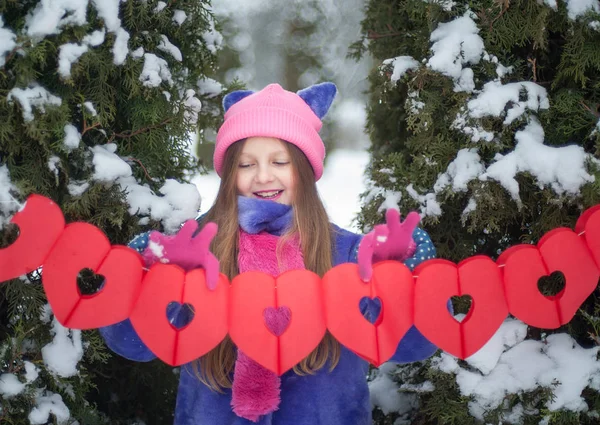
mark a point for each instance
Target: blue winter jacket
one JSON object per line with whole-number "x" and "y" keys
{"x": 340, "y": 397}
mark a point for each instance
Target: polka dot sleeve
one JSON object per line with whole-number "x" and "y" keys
{"x": 140, "y": 242}
{"x": 424, "y": 251}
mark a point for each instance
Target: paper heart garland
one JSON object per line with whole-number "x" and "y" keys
{"x": 165, "y": 283}
{"x": 343, "y": 288}
{"x": 314, "y": 304}
{"x": 299, "y": 291}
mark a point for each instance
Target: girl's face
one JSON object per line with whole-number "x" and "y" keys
{"x": 265, "y": 170}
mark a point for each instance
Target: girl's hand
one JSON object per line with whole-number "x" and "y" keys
{"x": 186, "y": 250}
{"x": 390, "y": 241}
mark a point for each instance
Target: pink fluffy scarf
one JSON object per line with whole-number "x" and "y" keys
{"x": 256, "y": 390}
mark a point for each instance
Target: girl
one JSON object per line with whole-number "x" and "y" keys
{"x": 269, "y": 156}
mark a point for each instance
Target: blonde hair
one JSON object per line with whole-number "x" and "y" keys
{"x": 316, "y": 236}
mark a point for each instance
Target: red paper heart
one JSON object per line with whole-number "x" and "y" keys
{"x": 40, "y": 224}
{"x": 559, "y": 250}
{"x": 439, "y": 280}
{"x": 393, "y": 283}
{"x": 80, "y": 246}
{"x": 298, "y": 290}
{"x": 165, "y": 283}
{"x": 589, "y": 225}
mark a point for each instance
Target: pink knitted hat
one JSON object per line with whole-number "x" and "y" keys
{"x": 275, "y": 112}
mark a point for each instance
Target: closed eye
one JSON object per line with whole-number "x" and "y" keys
{"x": 281, "y": 162}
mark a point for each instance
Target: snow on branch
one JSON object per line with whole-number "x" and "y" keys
{"x": 180, "y": 201}
{"x": 455, "y": 44}
{"x": 34, "y": 96}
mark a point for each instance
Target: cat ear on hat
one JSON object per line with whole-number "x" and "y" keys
{"x": 234, "y": 97}
{"x": 319, "y": 97}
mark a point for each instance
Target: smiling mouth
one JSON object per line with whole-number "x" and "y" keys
{"x": 271, "y": 194}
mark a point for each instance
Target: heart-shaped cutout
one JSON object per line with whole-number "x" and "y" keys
{"x": 370, "y": 308}
{"x": 10, "y": 233}
{"x": 461, "y": 306}
{"x": 89, "y": 283}
{"x": 277, "y": 319}
{"x": 552, "y": 286}
{"x": 183, "y": 314}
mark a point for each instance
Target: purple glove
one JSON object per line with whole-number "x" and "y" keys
{"x": 185, "y": 250}
{"x": 390, "y": 241}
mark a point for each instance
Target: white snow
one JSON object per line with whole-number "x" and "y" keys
{"x": 466, "y": 167}
{"x": 383, "y": 392}
{"x": 180, "y": 201}
{"x": 160, "y": 6}
{"x": 509, "y": 364}
{"x": 193, "y": 106}
{"x": 68, "y": 54}
{"x": 90, "y": 107}
{"x": 400, "y": 64}
{"x": 166, "y": 46}
{"x": 10, "y": 385}
{"x": 47, "y": 403}
{"x": 213, "y": 38}
{"x": 62, "y": 355}
{"x": 33, "y": 96}
{"x": 561, "y": 168}
{"x": 493, "y": 100}
{"x": 95, "y": 39}
{"x": 179, "y": 16}
{"x": 108, "y": 10}
{"x": 577, "y": 8}
{"x": 53, "y": 163}
{"x": 72, "y": 137}
{"x": 50, "y": 16}
{"x": 155, "y": 71}
{"x": 455, "y": 44}
{"x": 120, "y": 49}
{"x": 8, "y": 205}
{"x": 7, "y": 41}
{"x": 209, "y": 87}
{"x": 77, "y": 188}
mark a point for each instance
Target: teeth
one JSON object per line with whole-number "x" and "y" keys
{"x": 268, "y": 194}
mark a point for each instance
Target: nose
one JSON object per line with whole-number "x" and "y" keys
{"x": 264, "y": 174}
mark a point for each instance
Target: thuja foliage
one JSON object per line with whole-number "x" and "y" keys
{"x": 79, "y": 79}
{"x": 422, "y": 119}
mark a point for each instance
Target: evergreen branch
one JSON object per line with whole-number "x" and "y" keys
{"x": 86, "y": 128}
{"x": 505, "y": 6}
{"x": 15, "y": 50}
{"x": 373, "y": 35}
{"x": 533, "y": 63}
{"x": 129, "y": 133}
{"x": 130, "y": 158}
{"x": 595, "y": 113}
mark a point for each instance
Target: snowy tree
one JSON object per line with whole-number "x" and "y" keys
{"x": 484, "y": 118}
{"x": 297, "y": 43}
{"x": 98, "y": 101}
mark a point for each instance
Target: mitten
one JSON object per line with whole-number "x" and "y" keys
{"x": 185, "y": 249}
{"x": 390, "y": 241}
